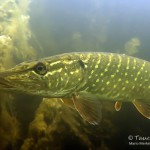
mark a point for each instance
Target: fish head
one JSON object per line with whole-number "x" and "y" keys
{"x": 22, "y": 78}
{"x": 46, "y": 77}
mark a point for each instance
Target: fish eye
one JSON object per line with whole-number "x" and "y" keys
{"x": 40, "y": 69}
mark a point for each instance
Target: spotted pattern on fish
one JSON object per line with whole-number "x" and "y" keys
{"x": 85, "y": 79}
{"x": 116, "y": 76}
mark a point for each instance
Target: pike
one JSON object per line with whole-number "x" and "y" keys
{"x": 83, "y": 80}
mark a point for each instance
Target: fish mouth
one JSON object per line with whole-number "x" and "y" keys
{"x": 4, "y": 84}
{"x": 19, "y": 81}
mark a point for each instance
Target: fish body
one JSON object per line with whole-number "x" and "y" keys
{"x": 86, "y": 79}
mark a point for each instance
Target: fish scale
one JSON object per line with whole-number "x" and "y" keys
{"x": 126, "y": 71}
{"x": 86, "y": 78}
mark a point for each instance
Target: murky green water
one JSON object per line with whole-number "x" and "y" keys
{"x": 59, "y": 26}
{"x": 91, "y": 25}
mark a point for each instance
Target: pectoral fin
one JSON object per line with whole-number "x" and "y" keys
{"x": 88, "y": 106}
{"x": 143, "y": 108}
{"x": 118, "y": 105}
{"x": 68, "y": 102}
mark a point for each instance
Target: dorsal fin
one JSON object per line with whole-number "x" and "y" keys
{"x": 142, "y": 107}
{"x": 118, "y": 105}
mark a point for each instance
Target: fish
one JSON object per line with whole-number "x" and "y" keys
{"x": 82, "y": 80}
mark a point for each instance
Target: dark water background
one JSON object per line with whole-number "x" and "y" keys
{"x": 62, "y": 26}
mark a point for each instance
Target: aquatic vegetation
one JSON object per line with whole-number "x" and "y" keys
{"x": 9, "y": 125}
{"x": 131, "y": 47}
{"x": 56, "y": 126}
{"x": 6, "y": 46}
{"x": 14, "y": 47}
{"x": 14, "y": 32}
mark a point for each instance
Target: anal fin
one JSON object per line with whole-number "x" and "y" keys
{"x": 142, "y": 107}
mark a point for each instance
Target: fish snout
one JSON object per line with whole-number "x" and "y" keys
{"x": 5, "y": 84}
